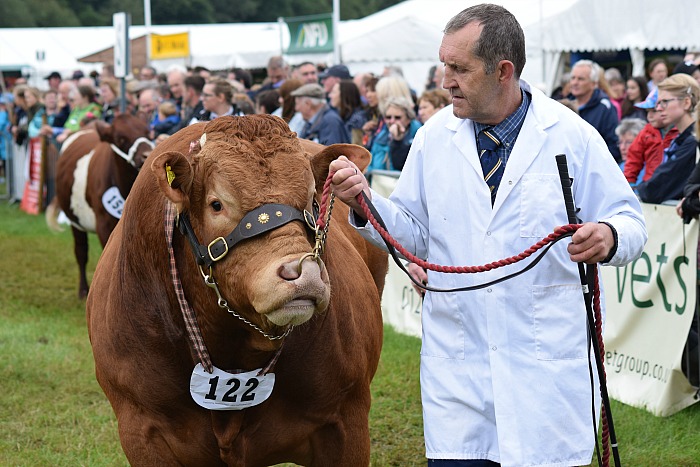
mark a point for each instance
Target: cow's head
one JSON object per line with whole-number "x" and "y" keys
{"x": 128, "y": 136}
{"x": 239, "y": 165}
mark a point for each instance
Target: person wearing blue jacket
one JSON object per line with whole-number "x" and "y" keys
{"x": 593, "y": 104}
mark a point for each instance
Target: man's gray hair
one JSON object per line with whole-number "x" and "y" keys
{"x": 630, "y": 125}
{"x": 595, "y": 69}
{"x": 501, "y": 38}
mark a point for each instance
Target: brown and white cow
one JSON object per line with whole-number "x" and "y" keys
{"x": 94, "y": 174}
{"x": 294, "y": 343}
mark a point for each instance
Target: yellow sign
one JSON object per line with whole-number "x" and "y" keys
{"x": 170, "y": 46}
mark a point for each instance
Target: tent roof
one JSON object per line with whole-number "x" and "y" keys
{"x": 598, "y": 25}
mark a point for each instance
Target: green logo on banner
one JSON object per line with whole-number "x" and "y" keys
{"x": 310, "y": 34}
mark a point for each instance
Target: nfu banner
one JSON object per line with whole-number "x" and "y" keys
{"x": 310, "y": 34}
{"x": 650, "y": 305}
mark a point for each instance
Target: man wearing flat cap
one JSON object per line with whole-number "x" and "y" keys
{"x": 321, "y": 123}
{"x": 333, "y": 75}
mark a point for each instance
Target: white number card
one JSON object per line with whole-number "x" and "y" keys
{"x": 113, "y": 201}
{"x": 220, "y": 390}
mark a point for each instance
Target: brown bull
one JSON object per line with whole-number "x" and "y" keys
{"x": 293, "y": 342}
{"x": 94, "y": 174}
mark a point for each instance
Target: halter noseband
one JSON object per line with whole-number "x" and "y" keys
{"x": 258, "y": 221}
{"x": 132, "y": 150}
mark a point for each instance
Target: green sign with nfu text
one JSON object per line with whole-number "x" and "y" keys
{"x": 310, "y": 34}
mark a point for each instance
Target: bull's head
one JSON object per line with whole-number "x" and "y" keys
{"x": 242, "y": 165}
{"x": 128, "y": 136}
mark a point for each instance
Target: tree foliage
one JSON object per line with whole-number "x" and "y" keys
{"x": 61, "y": 13}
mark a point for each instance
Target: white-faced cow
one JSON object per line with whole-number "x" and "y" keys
{"x": 94, "y": 174}
{"x": 218, "y": 338}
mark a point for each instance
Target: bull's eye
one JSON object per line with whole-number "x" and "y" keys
{"x": 216, "y": 206}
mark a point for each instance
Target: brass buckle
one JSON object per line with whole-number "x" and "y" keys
{"x": 222, "y": 254}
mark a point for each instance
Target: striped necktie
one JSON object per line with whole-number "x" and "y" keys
{"x": 491, "y": 163}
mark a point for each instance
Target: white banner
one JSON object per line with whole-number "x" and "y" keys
{"x": 650, "y": 305}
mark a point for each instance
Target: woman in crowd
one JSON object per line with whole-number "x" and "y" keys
{"x": 430, "y": 102}
{"x": 372, "y": 115}
{"x": 678, "y": 97}
{"x": 286, "y": 109}
{"x": 109, "y": 92}
{"x": 82, "y": 102}
{"x": 614, "y": 87}
{"x": 267, "y": 102}
{"x": 636, "y": 92}
{"x": 626, "y": 131}
{"x": 388, "y": 87}
{"x": 401, "y": 120}
{"x": 345, "y": 99}
{"x": 658, "y": 71}
{"x": 35, "y": 112}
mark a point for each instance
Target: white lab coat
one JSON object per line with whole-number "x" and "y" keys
{"x": 504, "y": 370}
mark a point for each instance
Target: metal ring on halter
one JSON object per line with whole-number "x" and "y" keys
{"x": 301, "y": 260}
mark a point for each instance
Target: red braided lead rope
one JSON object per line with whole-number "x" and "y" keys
{"x": 558, "y": 232}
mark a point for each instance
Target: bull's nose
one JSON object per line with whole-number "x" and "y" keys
{"x": 306, "y": 268}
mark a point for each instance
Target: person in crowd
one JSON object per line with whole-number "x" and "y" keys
{"x": 678, "y": 97}
{"x": 202, "y": 71}
{"x": 387, "y": 87}
{"x": 430, "y": 102}
{"x": 19, "y": 118}
{"x": 5, "y": 136}
{"x": 658, "y": 71}
{"x": 613, "y": 85}
{"x": 277, "y": 73}
{"x": 51, "y": 108}
{"x": 594, "y": 106}
{"x": 267, "y": 102}
{"x": 217, "y": 100}
{"x": 562, "y": 91}
{"x": 689, "y": 68}
{"x": 647, "y": 150}
{"x": 148, "y": 73}
{"x": 321, "y": 123}
{"x": 64, "y": 90}
{"x": 401, "y": 120}
{"x": 307, "y": 73}
{"x": 636, "y": 91}
{"x": 497, "y": 389}
{"x": 149, "y": 100}
{"x": 82, "y": 102}
{"x": 176, "y": 83}
{"x": 242, "y": 76}
{"x": 345, "y": 99}
{"x": 192, "y": 104}
{"x": 372, "y": 115}
{"x": 333, "y": 75}
{"x": 287, "y": 107}
{"x": 54, "y": 79}
{"x": 109, "y": 92}
{"x": 627, "y": 131}
{"x": 438, "y": 75}
{"x": 360, "y": 80}
{"x": 34, "y": 108}
{"x": 167, "y": 117}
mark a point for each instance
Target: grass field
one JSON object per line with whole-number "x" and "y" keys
{"x": 53, "y": 413}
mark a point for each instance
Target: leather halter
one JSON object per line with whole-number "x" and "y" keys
{"x": 132, "y": 150}
{"x": 258, "y": 221}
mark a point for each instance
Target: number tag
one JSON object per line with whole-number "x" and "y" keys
{"x": 220, "y": 390}
{"x": 113, "y": 201}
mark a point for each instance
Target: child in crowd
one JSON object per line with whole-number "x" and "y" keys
{"x": 647, "y": 150}
{"x": 167, "y": 118}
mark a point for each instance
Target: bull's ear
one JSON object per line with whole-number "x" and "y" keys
{"x": 174, "y": 174}
{"x": 320, "y": 161}
{"x": 104, "y": 130}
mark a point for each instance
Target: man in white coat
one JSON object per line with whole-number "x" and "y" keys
{"x": 504, "y": 370}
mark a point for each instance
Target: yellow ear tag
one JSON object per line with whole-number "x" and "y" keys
{"x": 170, "y": 174}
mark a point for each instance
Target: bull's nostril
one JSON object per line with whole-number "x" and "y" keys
{"x": 289, "y": 271}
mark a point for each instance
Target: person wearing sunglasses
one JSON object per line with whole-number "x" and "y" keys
{"x": 678, "y": 97}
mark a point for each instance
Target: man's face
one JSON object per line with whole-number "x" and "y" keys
{"x": 302, "y": 105}
{"x": 176, "y": 83}
{"x": 581, "y": 85}
{"x": 308, "y": 73}
{"x": 474, "y": 93}
{"x": 210, "y": 101}
{"x": 147, "y": 103}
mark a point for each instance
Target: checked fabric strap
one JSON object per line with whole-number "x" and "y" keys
{"x": 491, "y": 164}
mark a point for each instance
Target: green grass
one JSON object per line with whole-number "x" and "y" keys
{"x": 53, "y": 413}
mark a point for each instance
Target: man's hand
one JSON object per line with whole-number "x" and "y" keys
{"x": 591, "y": 243}
{"x": 348, "y": 182}
{"x": 419, "y": 274}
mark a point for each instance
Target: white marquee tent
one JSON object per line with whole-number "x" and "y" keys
{"x": 407, "y": 34}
